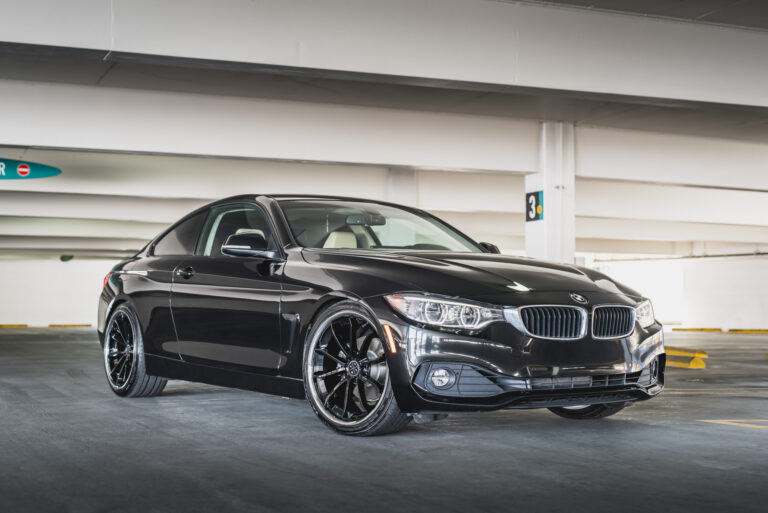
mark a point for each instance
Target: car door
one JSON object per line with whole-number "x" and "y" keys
{"x": 148, "y": 283}
{"x": 226, "y": 308}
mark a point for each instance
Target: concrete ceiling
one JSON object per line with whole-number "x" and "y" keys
{"x": 752, "y": 14}
{"x": 111, "y": 203}
{"x": 72, "y": 66}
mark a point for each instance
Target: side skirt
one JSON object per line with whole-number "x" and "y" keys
{"x": 175, "y": 369}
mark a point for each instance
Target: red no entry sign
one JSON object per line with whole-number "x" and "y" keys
{"x": 25, "y": 170}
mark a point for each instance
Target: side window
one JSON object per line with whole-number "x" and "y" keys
{"x": 230, "y": 220}
{"x": 182, "y": 239}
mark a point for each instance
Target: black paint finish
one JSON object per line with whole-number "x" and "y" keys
{"x": 243, "y": 321}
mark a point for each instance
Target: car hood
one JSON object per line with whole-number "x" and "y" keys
{"x": 485, "y": 277}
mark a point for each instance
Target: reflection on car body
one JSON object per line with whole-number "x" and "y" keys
{"x": 376, "y": 313}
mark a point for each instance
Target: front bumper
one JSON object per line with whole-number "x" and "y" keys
{"x": 501, "y": 367}
{"x": 477, "y": 388}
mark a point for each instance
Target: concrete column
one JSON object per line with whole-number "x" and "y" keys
{"x": 403, "y": 186}
{"x": 549, "y": 226}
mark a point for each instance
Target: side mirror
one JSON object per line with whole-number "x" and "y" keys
{"x": 490, "y": 248}
{"x": 248, "y": 245}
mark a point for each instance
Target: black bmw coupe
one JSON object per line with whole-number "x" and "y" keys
{"x": 376, "y": 313}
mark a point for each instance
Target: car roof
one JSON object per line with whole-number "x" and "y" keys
{"x": 300, "y": 197}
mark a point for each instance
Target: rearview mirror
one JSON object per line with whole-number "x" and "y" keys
{"x": 248, "y": 245}
{"x": 490, "y": 248}
{"x": 366, "y": 220}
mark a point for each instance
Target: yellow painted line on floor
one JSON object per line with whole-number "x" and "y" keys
{"x": 687, "y": 363}
{"x": 69, "y": 325}
{"x": 13, "y": 326}
{"x": 700, "y": 330}
{"x": 681, "y": 351}
{"x": 745, "y": 423}
{"x": 684, "y": 358}
{"x": 749, "y": 332}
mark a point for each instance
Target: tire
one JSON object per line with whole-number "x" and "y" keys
{"x": 343, "y": 334}
{"x": 124, "y": 357}
{"x": 593, "y": 411}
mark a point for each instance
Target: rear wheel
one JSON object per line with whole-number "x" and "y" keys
{"x": 124, "y": 357}
{"x": 591, "y": 411}
{"x": 346, "y": 377}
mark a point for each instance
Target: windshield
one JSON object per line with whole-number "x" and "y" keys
{"x": 352, "y": 224}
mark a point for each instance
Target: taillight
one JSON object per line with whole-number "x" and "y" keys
{"x": 106, "y": 279}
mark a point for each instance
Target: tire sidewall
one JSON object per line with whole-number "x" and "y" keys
{"x": 594, "y": 411}
{"x": 388, "y": 398}
{"x": 138, "y": 351}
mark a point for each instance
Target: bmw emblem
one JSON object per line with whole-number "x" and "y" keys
{"x": 579, "y": 298}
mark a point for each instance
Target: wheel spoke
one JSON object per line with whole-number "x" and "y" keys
{"x": 367, "y": 343}
{"x": 127, "y": 329}
{"x": 376, "y": 360}
{"x": 118, "y": 331}
{"x": 344, "y": 350}
{"x": 346, "y": 399}
{"x": 363, "y": 398}
{"x": 333, "y": 391}
{"x": 121, "y": 370}
{"x": 325, "y": 353}
{"x": 352, "y": 338}
{"x": 116, "y": 365}
{"x": 322, "y": 374}
{"x": 122, "y": 331}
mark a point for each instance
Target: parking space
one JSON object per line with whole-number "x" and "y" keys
{"x": 68, "y": 444}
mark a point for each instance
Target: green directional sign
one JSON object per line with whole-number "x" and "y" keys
{"x": 22, "y": 170}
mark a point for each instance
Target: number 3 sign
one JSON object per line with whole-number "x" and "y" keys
{"x": 534, "y": 206}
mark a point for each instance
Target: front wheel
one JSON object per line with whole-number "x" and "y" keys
{"x": 124, "y": 357}
{"x": 592, "y": 411}
{"x": 346, "y": 377}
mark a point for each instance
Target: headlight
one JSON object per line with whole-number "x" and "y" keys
{"x": 444, "y": 313}
{"x": 644, "y": 314}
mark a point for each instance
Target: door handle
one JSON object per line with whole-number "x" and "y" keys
{"x": 185, "y": 273}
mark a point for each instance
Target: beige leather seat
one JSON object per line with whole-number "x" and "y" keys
{"x": 341, "y": 240}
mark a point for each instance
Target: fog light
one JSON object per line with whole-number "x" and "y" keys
{"x": 654, "y": 370}
{"x": 442, "y": 377}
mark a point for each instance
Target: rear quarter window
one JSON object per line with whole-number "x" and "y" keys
{"x": 182, "y": 239}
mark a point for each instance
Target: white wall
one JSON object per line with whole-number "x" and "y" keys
{"x": 659, "y": 280}
{"x": 43, "y": 292}
{"x": 726, "y": 293}
{"x": 670, "y": 158}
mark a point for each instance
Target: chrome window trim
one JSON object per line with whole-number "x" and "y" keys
{"x": 612, "y": 305}
{"x": 136, "y": 273}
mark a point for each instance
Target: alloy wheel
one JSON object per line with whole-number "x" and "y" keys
{"x": 120, "y": 350}
{"x": 347, "y": 368}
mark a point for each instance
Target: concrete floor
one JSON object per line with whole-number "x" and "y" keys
{"x": 68, "y": 444}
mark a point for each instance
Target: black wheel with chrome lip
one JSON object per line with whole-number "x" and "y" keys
{"x": 124, "y": 357}
{"x": 346, "y": 378}
{"x": 592, "y": 411}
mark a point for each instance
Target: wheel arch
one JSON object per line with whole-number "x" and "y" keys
{"x": 322, "y": 304}
{"x": 108, "y": 310}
